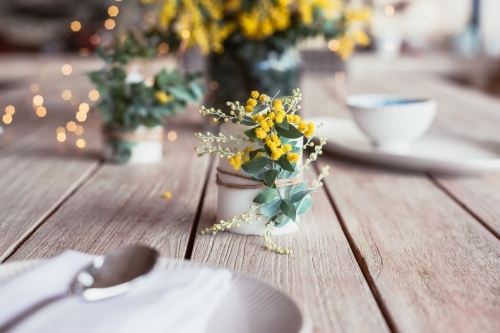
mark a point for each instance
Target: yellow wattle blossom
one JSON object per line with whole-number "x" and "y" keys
{"x": 302, "y": 126}
{"x": 251, "y": 102}
{"x": 248, "y": 109}
{"x": 260, "y": 133}
{"x": 255, "y": 94}
{"x": 278, "y": 105}
{"x": 235, "y": 162}
{"x": 309, "y": 131}
{"x": 292, "y": 157}
{"x": 263, "y": 98}
{"x": 276, "y": 154}
{"x": 287, "y": 147}
{"x": 163, "y": 98}
{"x": 209, "y": 23}
{"x": 280, "y": 116}
{"x": 167, "y": 195}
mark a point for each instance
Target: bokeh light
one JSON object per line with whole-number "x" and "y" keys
{"x": 172, "y": 136}
{"x": 10, "y": 109}
{"x": 61, "y": 137}
{"x": 7, "y": 118}
{"x": 163, "y": 48}
{"x": 389, "y": 10}
{"x": 74, "y": 100}
{"x": 41, "y": 111}
{"x": 60, "y": 130}
{"x": 334, "y": 45}
{"x": 81, "y": 116}
{"x": 71, "y": 126}
{"x": 79, "y": 130}
{"x": 66, "y": 69}
{"x": 38, "y": 100}
{"x": 113, "y": 11}
{"x": 66, "y": 95}
{"x": 93, "y": 95}
{"x": 109, "y": 24}
{"x": 84, "y": 107}
{"x": 76, "y": 26}
{"x": 185, "y": 34}
{"x": 95, "y": 39}
{"x": 80, "y": 143}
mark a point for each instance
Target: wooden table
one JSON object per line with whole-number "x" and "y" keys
{"x": 382, "y": 251}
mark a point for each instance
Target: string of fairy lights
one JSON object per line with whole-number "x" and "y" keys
{"x": 76, "y": 127}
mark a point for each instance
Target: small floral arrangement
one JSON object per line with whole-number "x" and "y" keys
{"x": 281, "y": 136}
{"x": 213, "y": 25}
{"x": 127, "y": 103}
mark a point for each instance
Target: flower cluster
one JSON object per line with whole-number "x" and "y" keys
{"x": 274, "y": 141}
{"x": 211, "y": 22}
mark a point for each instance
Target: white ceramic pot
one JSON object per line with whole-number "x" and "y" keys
{"x": 144, "y": 145}
{"x": 234, "y": 202}
{"x": 392, "y": 122}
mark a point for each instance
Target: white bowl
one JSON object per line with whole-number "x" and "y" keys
{"x": 392, "y": 122}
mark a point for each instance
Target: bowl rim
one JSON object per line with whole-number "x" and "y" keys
{"x": 353, "y": 101}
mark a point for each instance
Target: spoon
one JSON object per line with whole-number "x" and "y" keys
{"x": 109, "y": 275}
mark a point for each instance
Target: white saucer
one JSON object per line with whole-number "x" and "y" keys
{"x": 435, "y": 152}
{"x": 250, "y": 306}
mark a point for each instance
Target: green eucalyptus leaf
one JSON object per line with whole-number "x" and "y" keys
{"x": 288, "y": 209}
{"x": 291, "y": 132}
{"x": 182, "y": 94}
{"x": 285, "y": 164}
{"x": 259, "y": 108}
{"x": 251, "y": 134}
{"x": 255, "y": 165}
{"x": 254, "y": 153}
{"x": 298, "y": 188}
{"x": 296, "y": 197}
{"x": 304, "y": 205}
{"x": 266, "y": 195}
{"x": 284, "y": 124}
{"x": 271, "y": 208}
{"x": 281, "y": 221}
{"x": 270, "y": 176}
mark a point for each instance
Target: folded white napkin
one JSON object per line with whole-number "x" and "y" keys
{"x": 170, "y": 300}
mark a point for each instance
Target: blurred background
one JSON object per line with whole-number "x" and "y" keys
{"x": 459, "y": 37}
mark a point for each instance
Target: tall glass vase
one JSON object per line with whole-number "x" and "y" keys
{"x": 233, "y": 74}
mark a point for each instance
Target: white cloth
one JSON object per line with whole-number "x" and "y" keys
{"x": 168, "y": 301}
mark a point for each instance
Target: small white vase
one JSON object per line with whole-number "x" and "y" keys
{"x": 233, "y": 202}
{"x": 142, "y": 146}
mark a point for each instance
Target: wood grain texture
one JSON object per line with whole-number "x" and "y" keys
{"x": 34, "y": 180}
{"x": 322, "y": 275}
{"x": 435, "y": 267}
{"x": 462, "y": 112}
{"x": 123, "y": 205}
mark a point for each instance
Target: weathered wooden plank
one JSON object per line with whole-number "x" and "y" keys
{"x": 464, "y": 112}
{"x": 434, "y": 266}
{"x": 322, "y": 274}
{"x": 34, "y": 180}
{"x": 124, "y": 205}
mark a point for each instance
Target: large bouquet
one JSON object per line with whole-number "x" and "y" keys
{"x": 213, "y": 24}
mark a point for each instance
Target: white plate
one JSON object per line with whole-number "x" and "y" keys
{"x": 250, "y": 306}
{"x": 435, "y": 152}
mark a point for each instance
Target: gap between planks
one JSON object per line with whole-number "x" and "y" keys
{"x": 464, "y": 206}
{"x": 194, "y": 227}
{"x": 359, "y": 258}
